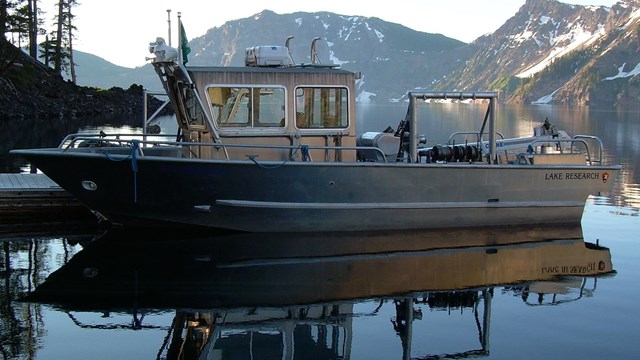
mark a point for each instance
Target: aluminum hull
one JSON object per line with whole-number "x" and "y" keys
{"x": 321, "y": 196}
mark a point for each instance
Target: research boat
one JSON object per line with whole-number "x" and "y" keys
{"x": 273, "y": 147}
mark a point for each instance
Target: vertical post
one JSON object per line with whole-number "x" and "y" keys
{"x": 408, "y": 309}
{"x": 413, "y": 129}
{"x": 288, "y": 341}
{"x": 180, "y": 57}
{"x": 169, "y": 23}
{"x": 145, "y": 118}
{"x": 486, "y": 319}
{"x": 492, "y": 130}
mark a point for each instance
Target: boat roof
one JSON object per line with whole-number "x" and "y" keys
{"x": 304, "y": 69}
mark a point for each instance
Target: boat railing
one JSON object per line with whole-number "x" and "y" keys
{"x": 578, "y": 139}
{"x": 292, "y": 149}
{"x": 76, "y": 140}
{"x": 479, "y": 138}
{"x": 597, "y": 140}
{"x": 477, "y": 135}
{"x": 115, "y": 142}
{"x": 583, "y": 290}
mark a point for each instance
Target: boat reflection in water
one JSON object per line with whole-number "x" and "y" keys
{"x": 296, "y": 296}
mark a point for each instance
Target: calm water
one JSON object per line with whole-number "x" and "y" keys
{"x": 75, "y": 294}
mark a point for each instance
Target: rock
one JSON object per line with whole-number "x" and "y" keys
{"x": 29, "y": 89}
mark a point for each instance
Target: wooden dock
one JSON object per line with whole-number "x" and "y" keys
{"x": 26, "y": 195}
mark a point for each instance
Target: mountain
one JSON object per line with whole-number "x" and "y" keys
{"x": 551, "y": 52}
{"x": 392, "y": 58}
{"x": 94, "y": 71}
{"x": 548, "y": 52}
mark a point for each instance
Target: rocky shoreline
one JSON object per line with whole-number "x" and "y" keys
{"x": 28, "y": 89}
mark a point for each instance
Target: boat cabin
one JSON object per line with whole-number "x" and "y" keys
{"x": 291, "y": 112}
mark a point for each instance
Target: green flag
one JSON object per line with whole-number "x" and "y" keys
{"x": 184, "y": 45}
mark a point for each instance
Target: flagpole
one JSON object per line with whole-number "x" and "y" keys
{"x": 169, "y": 22}
{"x": 179, "y": 38}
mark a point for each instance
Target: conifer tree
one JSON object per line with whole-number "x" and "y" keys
{"x": 21, "y": 19}
{"x": 61, "y": 38}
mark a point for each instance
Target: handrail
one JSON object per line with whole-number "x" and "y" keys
{"x": 70, "y": 141}
{"x": 110, "y": 136}
{"x": 572, "y": 141}
{"x": 476, "y": 133}
{"x": 597, "y": 139}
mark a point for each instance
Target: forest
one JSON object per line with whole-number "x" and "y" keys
{"x": 23, "y": 23}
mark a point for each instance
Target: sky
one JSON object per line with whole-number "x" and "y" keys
{"x": 120, "y": 30}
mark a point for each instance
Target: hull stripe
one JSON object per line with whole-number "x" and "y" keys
{"x": 375, "y": 206}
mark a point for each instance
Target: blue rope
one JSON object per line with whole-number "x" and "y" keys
{"x": 133, "y": 156}
{"x": 108, "y": 156}
{"x": 135, "y": 144}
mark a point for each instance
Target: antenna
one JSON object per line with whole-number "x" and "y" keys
{"x": 169, "y": 22}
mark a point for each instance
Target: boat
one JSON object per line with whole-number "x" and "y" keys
{"x": 236, "y": 289}
{"x": 273, "y": 146}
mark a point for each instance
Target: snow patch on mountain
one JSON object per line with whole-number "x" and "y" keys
{"x": 545, "y": 99}
{"x": 576, "y": 38}
{"x": 624, "y": 74}
{"x": 632, "y": 19}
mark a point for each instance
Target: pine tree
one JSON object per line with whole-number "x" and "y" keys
{"x": 33, "y": 27}
{"x": 5, "y": 6}
{"x": 59, "y": 55}
{"x": 15, "y": 22}
{"x": 70, "y": 29}
{"x": 21, "y": 19}
{"x": 46, "y": 50}
{"x": 61, "y": 38}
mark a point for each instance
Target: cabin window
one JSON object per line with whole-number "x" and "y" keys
{"x": 247, "y": 106}
{"x": 321, "y": 107}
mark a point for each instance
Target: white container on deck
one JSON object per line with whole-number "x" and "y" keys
{"x": 267, "y": 56}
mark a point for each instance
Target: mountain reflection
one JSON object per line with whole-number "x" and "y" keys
{"x": 295, "y": 296}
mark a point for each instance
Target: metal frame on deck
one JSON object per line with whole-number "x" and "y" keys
{"x": 413, "y": 116}
{"x": 148, "y": 119}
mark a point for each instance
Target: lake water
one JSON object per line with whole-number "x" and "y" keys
{"x": 76, "y": 292}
